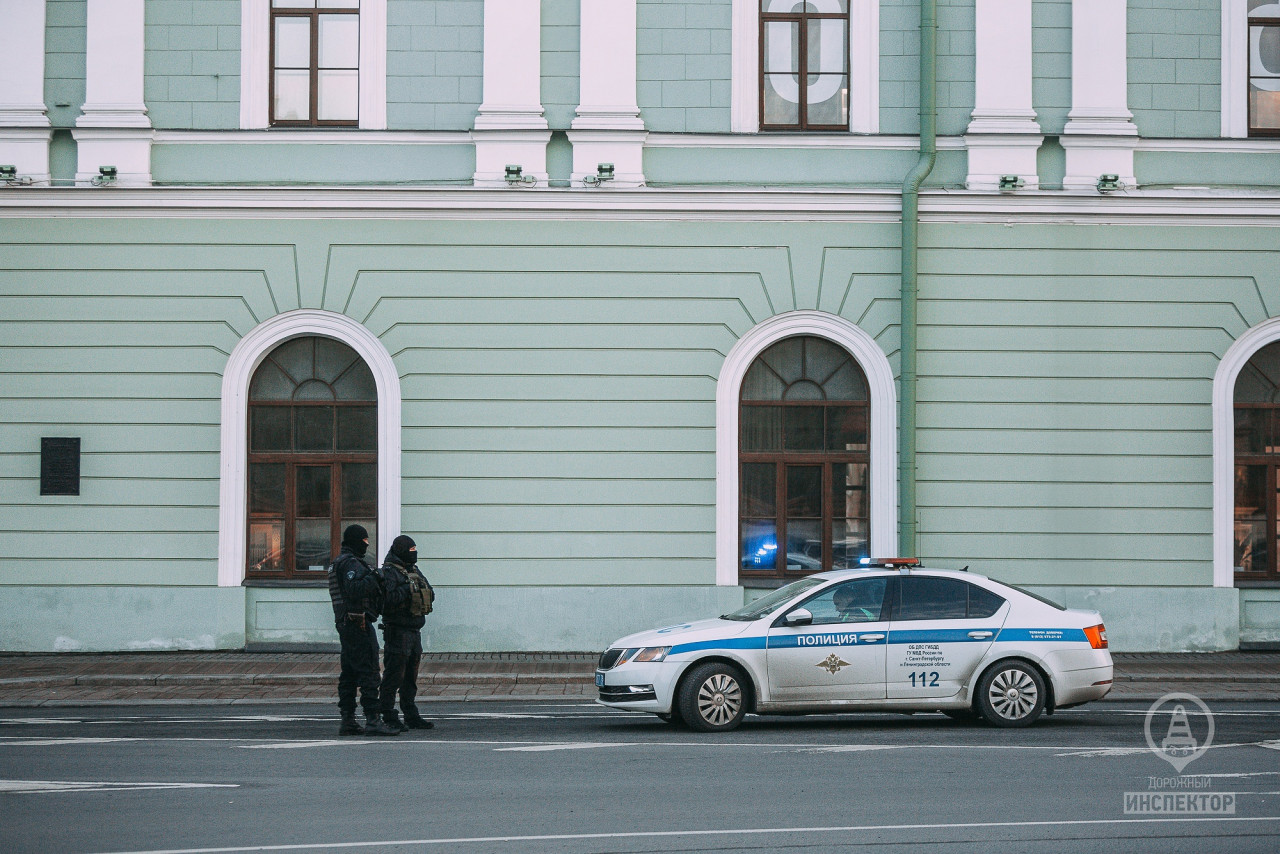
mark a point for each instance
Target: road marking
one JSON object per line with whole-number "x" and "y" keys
{"x": 39, "y": 721}
{"x": 1270, "y": 745}
{"x": 852, "y": 748}
{"x": 31, "y": 787}
{"x": 1107, "y": 751}
{"x": 290, "y": 745}
{"x": 65, "y": 740}
{"x": 564, "y": 745}
{"x": 743, "y": 831}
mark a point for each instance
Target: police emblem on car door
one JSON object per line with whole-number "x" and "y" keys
{"x": 835, "y": 650}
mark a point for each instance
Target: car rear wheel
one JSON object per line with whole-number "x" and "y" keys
{"x": 712, "y": 698}
{"x": 1011, "y": 694}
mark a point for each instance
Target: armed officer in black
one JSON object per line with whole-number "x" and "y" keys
{"x": 356, "y": 591}
{"x": 408, "y": 599}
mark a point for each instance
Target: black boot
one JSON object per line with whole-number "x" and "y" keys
{"x": 373, "y": 725}
{"x": 349, "y": 725}
{"x": 417, "y": 722}
{"x": 392, "y": 720}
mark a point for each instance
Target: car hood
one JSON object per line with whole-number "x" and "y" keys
{"x": 684, "y": 632}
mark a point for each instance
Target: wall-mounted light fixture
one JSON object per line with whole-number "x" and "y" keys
{"x": 1109, "y": 183}
{"x": 106, "y": 175}
{"x": 1009, "y": 183}
{"x": 604, "y": 172}
{"x": 514, "y": 173}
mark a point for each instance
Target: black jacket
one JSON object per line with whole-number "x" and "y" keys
{"x": 395, "y": 583}
{"x": 354, "y": 586}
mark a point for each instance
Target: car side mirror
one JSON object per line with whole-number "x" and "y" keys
{"x": 798, "y": 617}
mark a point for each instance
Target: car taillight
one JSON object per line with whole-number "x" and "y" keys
{"x": 1097, "y": 636}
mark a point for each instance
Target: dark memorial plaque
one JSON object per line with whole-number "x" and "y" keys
{"x": 59, "y": 466}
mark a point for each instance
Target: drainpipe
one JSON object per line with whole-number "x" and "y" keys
{"x": 907, "y": 546}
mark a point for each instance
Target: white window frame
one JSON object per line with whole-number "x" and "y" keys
{"x": 883, "y": 439}
{"x": 1235, "y": 69}
{"x": 244, "y": 360}
{"x": 255, "y": 59}
{"x": 864, "y": 67}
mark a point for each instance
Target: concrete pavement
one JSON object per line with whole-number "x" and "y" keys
{"x": 80, "y": 679}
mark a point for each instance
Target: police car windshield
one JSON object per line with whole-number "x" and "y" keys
{"x": 757, "y": 609}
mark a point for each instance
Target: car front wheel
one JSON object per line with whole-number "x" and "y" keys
{"x": 1011, "y": 694}
{"x": 712, "y": 698}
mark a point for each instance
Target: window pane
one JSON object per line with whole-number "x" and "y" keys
{"x": 339, "y": 4}
{"x": 1264, "y": 108}
{"x": 762, "y": 383}
{"x": 359, "y": 489}
{"x": 804, "y": 492}
{"x": 1251, "y": 519}
{"x": 294, "y": 4}
{"x": 356, "y": 383}
{"x": 313, "y": 428}
{"x": 849, "y": 491}
{"x": 983, "y": 603}
{"x": 827, "y": 49}
{"x": 924, "y": 598}
{"x": 357, "y": 428}
{"x": 269, "y": 428}
{"x": 786, "y": 359}
{"x": 761, "y": 428}
{"x": 293, "y": 96}
{"x": 297, "y": 358}
{"x": 803, "y": 428}
{"x": 783, "y": 7}
{"x": 293, "y": 42}
{"x": 1253, "y": 429}
{"x": 804, "y": 545}
{"x": 828, "y": 100}
{"x": 846, "y": 428}
{"x": 266, "y": 489}
{"x": 759, "y": 492}
{"x": 313, "y": 390}
{"x": 313, "y": 545}
{"x": 338, "y": 96}
{"x": 1264, "y": 51}
{"x": 311, "y": 497}
{"x": 759, "y": 544}
{"x": 332, "y": 358}
{"x": 782, "y": 48}
{"x": 849, "y": 543}
{"x": 858, "y": 601}
{"x": 266, "y": 546}
{"x": 270, "y": 383}
{"x": 339, "y": 39}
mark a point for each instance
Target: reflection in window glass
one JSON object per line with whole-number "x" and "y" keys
{"x": 922, "y": 597}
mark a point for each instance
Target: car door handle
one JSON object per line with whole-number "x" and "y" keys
{"x": 870, "y": 638}
{"x": 980, "y": 635}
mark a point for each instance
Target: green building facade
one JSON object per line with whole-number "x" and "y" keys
{"x": 496, "y": 274}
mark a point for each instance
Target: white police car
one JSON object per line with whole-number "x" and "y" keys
{"x": 892, "y": 637}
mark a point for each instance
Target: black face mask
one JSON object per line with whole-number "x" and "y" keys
{"x": 358, "y": 548}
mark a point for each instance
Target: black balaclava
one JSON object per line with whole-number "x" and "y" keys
{"x": 355, "y": 538}
{"x": 402, "y": 549}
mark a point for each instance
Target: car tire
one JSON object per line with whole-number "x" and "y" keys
{"x": 713, "y": 698}
{"x": 1011, "y": 694}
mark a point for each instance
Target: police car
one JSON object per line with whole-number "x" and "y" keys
{"x": 892, "y": 636}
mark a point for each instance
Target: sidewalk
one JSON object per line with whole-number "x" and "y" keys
{"x": 81, "y": 679}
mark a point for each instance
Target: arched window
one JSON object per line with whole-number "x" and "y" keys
{"x": 313, "y": 456}
{"x": 804, "y": 460}
{"x": 1257, "y": 459}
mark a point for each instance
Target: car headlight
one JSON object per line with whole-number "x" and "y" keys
{"x": 644, "y": 653}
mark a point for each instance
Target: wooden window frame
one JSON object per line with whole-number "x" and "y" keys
{"x": 802, "y": 19}
{"x": 314, "y": 71}
{"x": 1272, "y": 463}
{"x": 1250, "y": 23}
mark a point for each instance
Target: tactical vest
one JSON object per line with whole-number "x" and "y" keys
{"x": 421, "y": 596}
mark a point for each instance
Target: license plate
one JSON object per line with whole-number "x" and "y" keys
{"x": 599, "y": 680}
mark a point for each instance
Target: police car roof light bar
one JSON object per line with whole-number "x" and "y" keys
{"x": 900, "y": 562}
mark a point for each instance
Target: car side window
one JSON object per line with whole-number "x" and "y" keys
{"x": 982, "y": 602}
{"x": 922, "y": 597}
{"x": 857, "y": 601}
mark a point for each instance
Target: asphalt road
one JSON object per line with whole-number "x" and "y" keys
{"x": 575, "y": 777}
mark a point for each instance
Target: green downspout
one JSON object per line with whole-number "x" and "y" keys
{"x": 907, "y": 546}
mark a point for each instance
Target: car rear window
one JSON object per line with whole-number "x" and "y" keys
{"x": 983, "y": 603}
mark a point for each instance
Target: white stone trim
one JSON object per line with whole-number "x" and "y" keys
{"x": 22, "y": 68}
{"x": 607, "y": 128}
{"x": 883, "y": 439}
{"x": 244, "y": 360}
{"x": 1003, "y": 137}
{"x": 1224, "y": 445}
{"x": 255, "y": 60}
{"x": 864, "y": 67}
{"x": 510, "y": 127}
{"x": 1235, "y": 69}
{"x": 113, "y": 128}
{"x": 1100, "y": 136}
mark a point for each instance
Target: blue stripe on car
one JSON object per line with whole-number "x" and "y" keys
{"x": 899, "y": 636}
{"x": 729, "y": 643}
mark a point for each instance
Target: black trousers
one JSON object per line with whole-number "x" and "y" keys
{"x": 401, "y": 653}
{"x": 359, "y": 667}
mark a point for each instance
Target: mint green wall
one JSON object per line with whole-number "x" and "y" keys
{"x": 1175, "y": 67}
{"x": 366, "y": 164}
{"x": 1051, "y": 65}
{"x": 192, "y": 64}
{"x": 683, "y": 56}
{"x": 559, "y": 41}
{"x": 435, "y": 63}
{"x": 64, "y": 60}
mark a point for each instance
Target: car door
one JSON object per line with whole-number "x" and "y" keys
{"x": 840, "y": 654}
{"x": 941, "y": 629}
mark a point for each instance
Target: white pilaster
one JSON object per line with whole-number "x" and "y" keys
{"x": 1003, "y": 136}
{"x": 1100, "y": 135}
{"x": 608, "y": 128}
{"x": 113, "y": 128}
{"x": 511, "y": 128}
{"x": 24, "y": 123}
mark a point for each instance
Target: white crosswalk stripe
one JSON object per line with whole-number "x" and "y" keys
{"x": 28, "y": 787}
